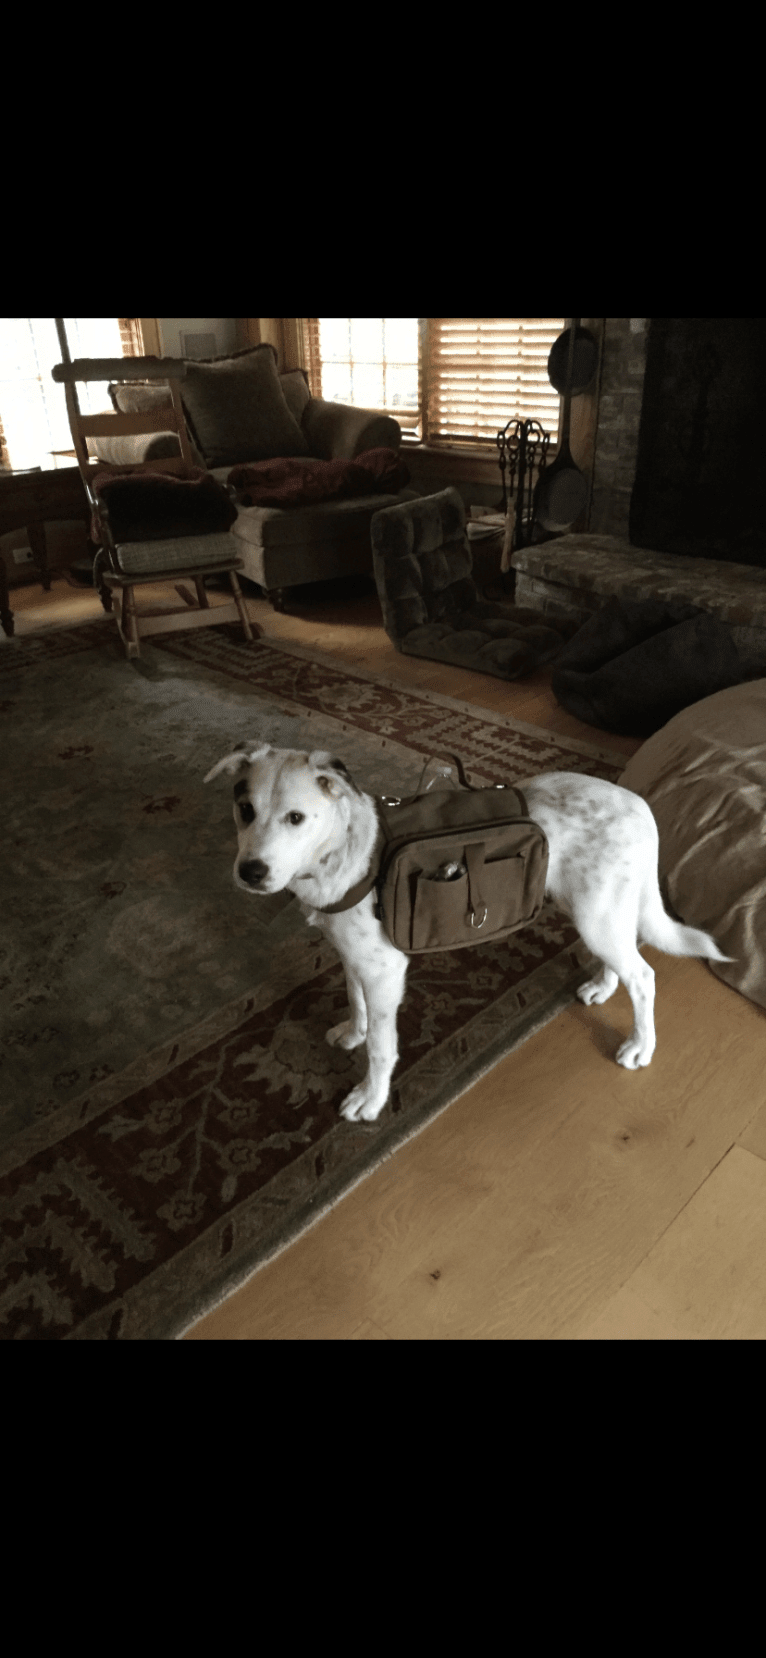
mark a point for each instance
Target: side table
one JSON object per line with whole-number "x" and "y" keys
{"x": 27, "y": 499}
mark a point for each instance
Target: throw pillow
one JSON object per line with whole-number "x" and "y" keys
{"x": 131, "y": 397}
{"x": 295, "y": 386}
{"x": 236, "y": 409}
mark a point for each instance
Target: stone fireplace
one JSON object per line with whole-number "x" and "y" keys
{"x": 678, "y": 501}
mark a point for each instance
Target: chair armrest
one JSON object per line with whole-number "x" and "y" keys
{"x": 336, "y": 431}
{"x": 133, "y": 450}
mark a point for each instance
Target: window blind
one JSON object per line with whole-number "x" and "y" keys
{"x": 481, "y": 372}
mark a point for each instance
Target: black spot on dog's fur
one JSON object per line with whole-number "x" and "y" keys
{"x": 338, "y": 765}
{"x": 240, "y": 788}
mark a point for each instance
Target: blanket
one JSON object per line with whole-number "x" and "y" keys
{"x": 299, "y": 483}
{"x": 145, "y": 505}
{"x": 635, "y": 665}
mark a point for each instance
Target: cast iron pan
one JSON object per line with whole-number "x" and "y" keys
{"x": 585, "y": 362}
{"x": 562, "y": 491}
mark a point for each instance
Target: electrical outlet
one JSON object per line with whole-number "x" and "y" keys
{"x": 23, "y": 555}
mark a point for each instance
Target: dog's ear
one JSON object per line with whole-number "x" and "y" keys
{"x": 340, "y": 781}
{"x": 239, "y": 760}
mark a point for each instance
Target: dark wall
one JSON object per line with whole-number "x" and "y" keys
{"x": 619, "y": 416}
{"x": 700, "y": 480}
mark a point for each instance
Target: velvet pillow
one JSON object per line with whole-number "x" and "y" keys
{"x": 237, "y": 411}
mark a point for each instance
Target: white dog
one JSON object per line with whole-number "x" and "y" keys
{"x": 303, "y": 825}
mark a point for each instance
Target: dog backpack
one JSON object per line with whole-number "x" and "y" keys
{"x": 455, "y": 867}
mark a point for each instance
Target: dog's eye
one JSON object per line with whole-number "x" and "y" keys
{"x": 246, "y": 812}
{"x": 295, "y": 817}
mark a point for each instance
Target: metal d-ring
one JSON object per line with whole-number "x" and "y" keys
{"x": 474, "y": 922}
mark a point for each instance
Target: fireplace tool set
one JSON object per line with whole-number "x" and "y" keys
{"x": 560, "y": 492}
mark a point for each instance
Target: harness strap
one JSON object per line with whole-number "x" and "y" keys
{"x": 361, "y": 888}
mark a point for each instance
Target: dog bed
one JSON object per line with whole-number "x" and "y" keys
{"x": 636, "y": 664}
{"x": 704, "y": 776}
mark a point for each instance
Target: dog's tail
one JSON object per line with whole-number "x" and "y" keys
{"x": 656, "y": 927}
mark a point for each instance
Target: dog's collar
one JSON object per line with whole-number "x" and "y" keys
{"x": 360, "y": 888}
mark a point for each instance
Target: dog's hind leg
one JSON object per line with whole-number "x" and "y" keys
{"x": 600, "y": 987}
{"x": 612, "y": 937}
{"x": 350, "y": 1033}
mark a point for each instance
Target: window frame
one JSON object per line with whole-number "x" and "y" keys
{"x": 421, "y": 439}
{"x": 132, "y": 343}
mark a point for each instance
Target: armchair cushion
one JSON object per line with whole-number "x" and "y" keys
{"x": 145, "y": 505}
{"x": 237, "y": 411}
{"x": 291, "y": 483}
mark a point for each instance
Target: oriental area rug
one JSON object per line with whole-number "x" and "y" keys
{"x": 169, "y": 1106}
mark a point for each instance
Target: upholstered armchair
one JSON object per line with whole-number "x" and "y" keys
{"x": 239, "y": 409}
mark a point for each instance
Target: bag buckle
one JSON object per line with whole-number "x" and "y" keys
{"x": 483, "y": 913}
{"x": 391, "y": 799}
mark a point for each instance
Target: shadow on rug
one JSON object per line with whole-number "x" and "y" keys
{"x": 170, "y": 1107}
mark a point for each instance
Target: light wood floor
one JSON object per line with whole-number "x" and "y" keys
{"x": 560, "y": 1197}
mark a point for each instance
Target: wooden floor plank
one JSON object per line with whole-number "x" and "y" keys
{"x": 522, "y": 1210}
{"x": 705, "y": 1279}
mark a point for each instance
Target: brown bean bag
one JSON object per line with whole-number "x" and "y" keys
{"x": 704, "y": 776}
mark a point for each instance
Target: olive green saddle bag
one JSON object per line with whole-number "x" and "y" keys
{"x": 455, "y": 867}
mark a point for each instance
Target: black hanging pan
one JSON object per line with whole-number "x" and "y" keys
{"x": 584, "y": 366}
{"x": 562, "y": 491}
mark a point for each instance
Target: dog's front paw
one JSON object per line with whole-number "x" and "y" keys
{"x": 345, "y": 1035}
{"x": 633, "y": 1054}
{"x": 362, "y": 1106}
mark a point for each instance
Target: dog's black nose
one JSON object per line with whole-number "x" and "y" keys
{"x": 253, "y": 872}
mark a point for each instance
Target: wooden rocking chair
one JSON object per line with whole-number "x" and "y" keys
{"x": 121, "y": 566}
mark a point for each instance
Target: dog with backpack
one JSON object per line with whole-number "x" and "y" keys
{"x": 385, "y": 878}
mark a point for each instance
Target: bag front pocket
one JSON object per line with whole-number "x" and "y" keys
{"x": 440, "y": 917}
{"x": 448, "y": 914}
